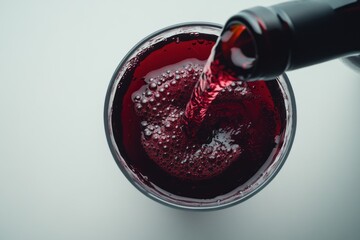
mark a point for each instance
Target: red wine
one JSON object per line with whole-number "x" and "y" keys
{"x": 239, "y": 133}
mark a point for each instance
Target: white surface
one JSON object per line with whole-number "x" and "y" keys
{"x": 58, "y": 179}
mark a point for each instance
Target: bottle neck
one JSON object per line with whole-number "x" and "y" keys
{"x": 297, "y": 34}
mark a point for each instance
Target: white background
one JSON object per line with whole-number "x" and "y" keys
{"x": 58, "y": 179}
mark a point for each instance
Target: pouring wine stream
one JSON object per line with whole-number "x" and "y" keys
{"x": 231, "y": 49}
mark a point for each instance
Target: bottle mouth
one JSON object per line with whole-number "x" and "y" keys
{"x": 239, "y": 50}
{"x": 266, "y": 39}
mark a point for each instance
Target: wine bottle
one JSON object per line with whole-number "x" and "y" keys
{"x": 289, "y": 36}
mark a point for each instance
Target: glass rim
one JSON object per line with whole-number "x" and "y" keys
{"x": 126, "y": 170}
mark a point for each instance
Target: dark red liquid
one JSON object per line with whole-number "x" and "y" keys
{"x": 241, "y": 128}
